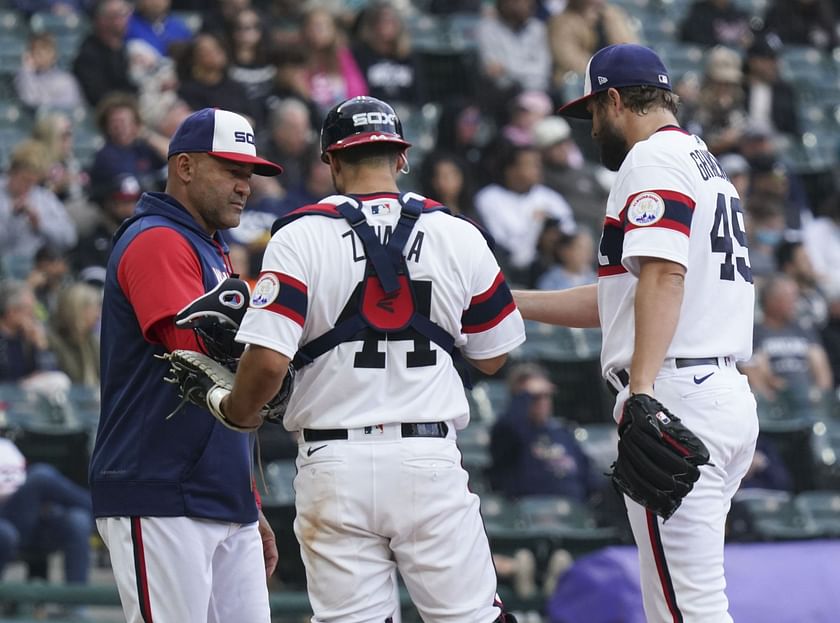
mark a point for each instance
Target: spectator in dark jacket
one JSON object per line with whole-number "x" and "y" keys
{"x": 803, "y": 22}
{"x": 204, "y": 77}
{"x": 716, "y": 22}
{"x": 768, "y": 469}
{"x": 101, "y": 65}
{"x": 532, "y": 453}
{"x": 125, "y": 151}
{"x": 24, "y": 351}
{"x": 384, "y": 56}
{"x": 42, "y": 511}
{"x": 116, "y": 202}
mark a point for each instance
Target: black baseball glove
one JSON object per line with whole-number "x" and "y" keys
{"x": 203, "y": 381}
{"x": 658, "y": 458}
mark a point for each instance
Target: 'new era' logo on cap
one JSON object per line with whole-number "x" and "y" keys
{"x": 663, "y": 78}
{"x": 602, "y": 80}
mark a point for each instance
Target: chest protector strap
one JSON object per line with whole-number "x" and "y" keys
{"x": 387, "y": 300}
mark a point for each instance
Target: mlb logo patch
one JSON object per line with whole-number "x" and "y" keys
{"x": 662, "y": 417}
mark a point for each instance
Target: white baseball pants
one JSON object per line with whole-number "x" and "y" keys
{"x": 681, "y": 559}
{"x": 184, "y": 570}
{"x": 372, "y": 502}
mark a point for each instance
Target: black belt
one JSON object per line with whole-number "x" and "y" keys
{"x": 418, "y": 429}
{"x": 679, "y": 362}
{"x": 697, "y": 361}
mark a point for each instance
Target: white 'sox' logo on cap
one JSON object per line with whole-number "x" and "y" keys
{"x": 374, "y": 117}
{"x": 232, "y": 133}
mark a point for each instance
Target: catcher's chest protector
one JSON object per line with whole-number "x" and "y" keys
{"x": 386, "y": 302}
{"x": 384, "y": 311}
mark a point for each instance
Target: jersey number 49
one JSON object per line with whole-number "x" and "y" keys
{"x": 729, "y": 224}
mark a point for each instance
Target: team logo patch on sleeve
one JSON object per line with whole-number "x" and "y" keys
{"x": 266, "y": 291}
{"x": 646, "y": 209}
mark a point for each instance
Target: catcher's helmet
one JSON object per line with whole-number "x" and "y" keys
{"x": 358, "y": 121}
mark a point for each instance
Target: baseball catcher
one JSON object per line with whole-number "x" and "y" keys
{"x": 658, "y": 458}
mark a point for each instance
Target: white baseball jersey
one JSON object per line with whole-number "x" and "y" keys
{"x": 672, "y": 200}
{"x": 311, "y": 268}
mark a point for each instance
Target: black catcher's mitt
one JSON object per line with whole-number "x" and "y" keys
{"x": 203, "y": 381}
{"x": 658, "y": 457}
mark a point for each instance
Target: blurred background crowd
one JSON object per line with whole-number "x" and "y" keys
{"x": 90, "y": 92}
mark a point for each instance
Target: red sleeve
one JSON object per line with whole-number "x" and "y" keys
{"x": 165, "y": 332}
{"x": 159, "y": 273}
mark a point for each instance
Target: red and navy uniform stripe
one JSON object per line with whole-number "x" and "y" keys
{"x": 292, "y": 299}
{"x": 611, "y": 248}
{"x": 489, "y": 308}
{"x": 662, "y": 568}
{"x": 140, "y": 571}
{"x": 679, "y": 209}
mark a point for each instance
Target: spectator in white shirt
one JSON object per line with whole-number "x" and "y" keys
{"x": 515, "y": 210}
{"x": 30, "y": 215}
{"x": 39, "y": 83}
{"x": 513, "y": 46}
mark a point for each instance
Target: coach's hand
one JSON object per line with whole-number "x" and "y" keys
{"x": 269, "y": 544}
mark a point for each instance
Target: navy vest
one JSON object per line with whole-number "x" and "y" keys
{"x": 142, "y": 463}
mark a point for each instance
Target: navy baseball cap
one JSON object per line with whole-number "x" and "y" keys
{"x": 223, "y": 134}
{"x": 616, "y": 66}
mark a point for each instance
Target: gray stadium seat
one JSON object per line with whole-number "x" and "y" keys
{"x": 67, "y": 449}
{"x": 599, "y": 443}
{"x": 823, "y": 509}
{"x": 768, "y": 515}
{"x": 825, "y": 454}
{"x": 488, "y": 399}
{"x": 278, "y": 486}
{"x": 564, "y": 523}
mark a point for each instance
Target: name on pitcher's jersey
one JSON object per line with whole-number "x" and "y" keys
{"x": 311, "y": 277}
{"x": 671, "y": 200}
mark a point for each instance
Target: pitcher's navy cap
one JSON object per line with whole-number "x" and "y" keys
{"x": 223, "y": 134}
{"x": 616, "y": 66}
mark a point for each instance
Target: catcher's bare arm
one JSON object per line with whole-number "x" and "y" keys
{"x": 575, "y": 307}
{"x": 258, "y": 379}
{"x": 659, "y": 296}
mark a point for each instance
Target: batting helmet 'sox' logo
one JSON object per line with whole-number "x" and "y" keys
{"x": 374, "y": 118}
{"x": 243, "y": 137}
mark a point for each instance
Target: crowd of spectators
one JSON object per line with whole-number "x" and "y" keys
{"x": 491, "y": 150}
